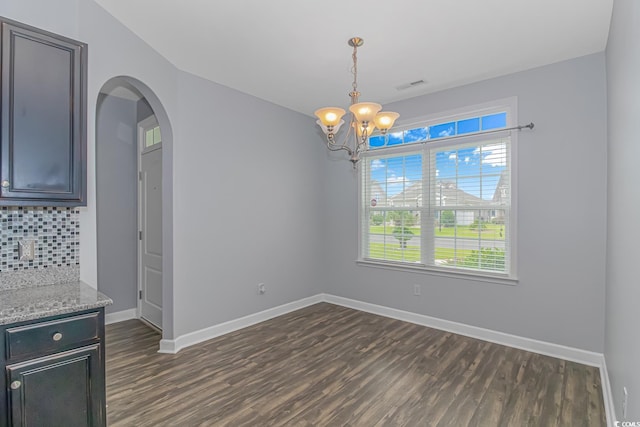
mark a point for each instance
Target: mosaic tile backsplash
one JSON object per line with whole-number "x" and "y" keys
{"x": 56, "y": 232}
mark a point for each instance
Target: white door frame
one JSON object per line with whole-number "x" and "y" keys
{"x": 143, "y": 125}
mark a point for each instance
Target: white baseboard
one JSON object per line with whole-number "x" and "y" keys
{"x": 607, "y": 395}
{"x": 174, "y": 346}
{"x": 121, "y": 316}
{"x": 549, "y": 349}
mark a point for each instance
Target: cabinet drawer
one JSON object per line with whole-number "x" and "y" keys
{"x": 48, "y": 337}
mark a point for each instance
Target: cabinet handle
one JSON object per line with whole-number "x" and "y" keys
{"x": 5, "y": 183}
{"x": 15, "y": 385}
{"x": 57, "y": 336}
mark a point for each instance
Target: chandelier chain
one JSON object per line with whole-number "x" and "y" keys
{"x": 354, "y": 70}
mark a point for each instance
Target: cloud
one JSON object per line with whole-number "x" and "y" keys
{"x": 495, "y": 160}
{"x": 377, "y": 164}
{"x": 467, "y": 159}
{"x": 396, "y": 179}
{"x": 395, "y": 185}
{"x": 494, "y": 147}
{"x": 453, "y": 156}
{"x": 493, "y": 154}
{"x": 437, "y": 172}
{"x": 446, "y": 132}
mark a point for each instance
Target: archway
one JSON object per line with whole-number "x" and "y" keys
{"x": 122, "y": 103}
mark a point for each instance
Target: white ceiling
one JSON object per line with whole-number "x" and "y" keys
{"x": 294, "y": 53}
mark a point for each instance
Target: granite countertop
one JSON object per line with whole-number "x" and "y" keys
{"x": 29, "y": 303}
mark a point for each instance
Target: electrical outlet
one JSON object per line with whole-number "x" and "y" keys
{"x": 625, "y": 400}
{"x": 417, "y": 290}
{"x": 27, "y": 249}
{"x": 261, "y": 288}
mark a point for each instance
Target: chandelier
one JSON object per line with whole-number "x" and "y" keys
{"x": 364, "y": 117}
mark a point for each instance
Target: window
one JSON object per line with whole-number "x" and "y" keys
{"x": 152, "y": 137}
{"x": 433, "y": 202}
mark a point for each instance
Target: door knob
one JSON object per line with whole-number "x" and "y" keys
{"x": 57, "y": 336}
{"x": 5, "y": 183}
{"x": 15, "y": 385}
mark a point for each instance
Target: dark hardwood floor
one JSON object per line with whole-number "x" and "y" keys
{"x": 327, "y": 365}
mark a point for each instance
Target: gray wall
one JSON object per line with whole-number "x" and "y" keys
{"x": 60, "y": 16}
{"x": 247, "y": 174}
{"x": 117, "y": 201}
{"x": 622, "y": 345}
{"x": 143, "y": 110}
{"x": 561, "y": 213}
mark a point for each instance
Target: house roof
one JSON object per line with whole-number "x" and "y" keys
{"x": 502, "y": 184}
{"x": 447, "y": 193}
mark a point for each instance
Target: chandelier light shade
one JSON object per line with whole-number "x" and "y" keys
{"x": 364, "y": 117}
{"x": 365, "y": 111}
{"x": 362, "y": 129}
{"x": 384, "y": 120}
{"x": 330, "y": 130}
{"x": 330, "y": 116}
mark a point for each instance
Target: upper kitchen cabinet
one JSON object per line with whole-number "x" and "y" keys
{"x": 43, "y": 118}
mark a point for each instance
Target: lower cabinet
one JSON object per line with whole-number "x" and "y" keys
{"x": 56, "y": 390}
{"x": 60, "y": 386}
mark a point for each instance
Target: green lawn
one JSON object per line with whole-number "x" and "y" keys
{"x": 412, "y": 253}
{"x": 394, "y": 253}
{"x": 380, "y": 229}
{"x": 491, "y": 232}
{"x": 450, "y": 254}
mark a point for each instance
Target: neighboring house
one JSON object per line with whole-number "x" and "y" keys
{"x": 410, "y": 197}
{"x": 447, "y": 194}
{"x": 500, "y": 197}
{"x": 377, "y": 195}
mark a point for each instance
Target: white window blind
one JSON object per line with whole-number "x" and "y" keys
{"x": 441, "y": 204}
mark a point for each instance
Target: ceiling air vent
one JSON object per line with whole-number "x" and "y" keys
{"x": 411, "y": 84}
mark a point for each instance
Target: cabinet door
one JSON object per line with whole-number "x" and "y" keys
{"x": 43, "y": 120}
{"x": 58, "y": 390}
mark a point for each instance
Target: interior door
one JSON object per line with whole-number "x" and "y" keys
{"x": 150, "y": 214}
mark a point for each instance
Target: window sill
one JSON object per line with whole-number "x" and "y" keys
{"x": 434, "y": 271}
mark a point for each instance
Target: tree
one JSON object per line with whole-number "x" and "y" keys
{"x": 403, "y": 234}
{"x": 447, "y": 219}
{"x": 478, "y": 223}
{"x": 377, "y": 219}
{"x": 402, "y": 218}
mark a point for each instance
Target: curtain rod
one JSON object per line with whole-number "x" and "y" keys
{"x": 519, "y": 127}
{"x": 436, "y": 141}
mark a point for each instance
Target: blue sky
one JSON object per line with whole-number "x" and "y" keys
{"x": 464, "y": 167}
